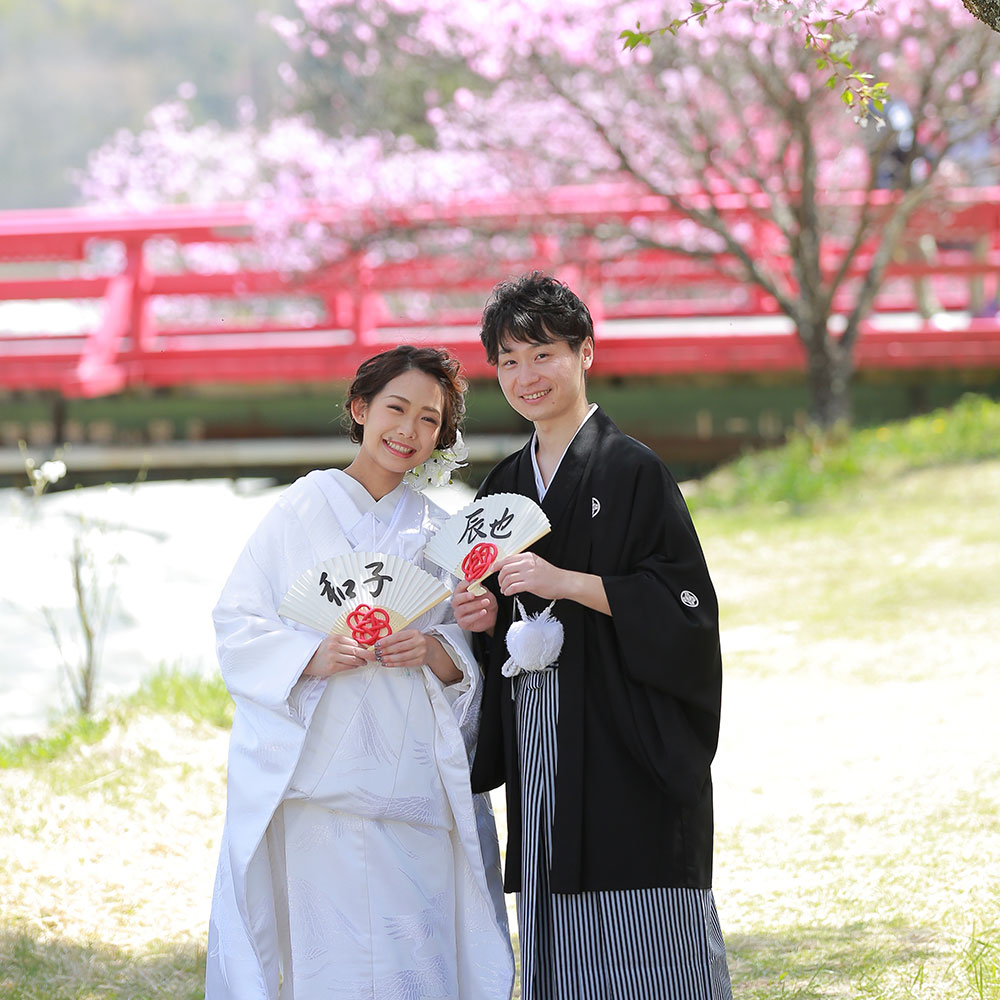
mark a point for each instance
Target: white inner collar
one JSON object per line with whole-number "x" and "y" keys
{"x": 367, "y": 504}
{"x": 539, "y": 485}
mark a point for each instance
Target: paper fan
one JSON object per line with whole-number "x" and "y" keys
{"x": 367, "y": 595}
{"x": 483, "y": 531}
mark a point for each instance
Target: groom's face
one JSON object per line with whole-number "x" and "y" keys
{"x": 543, "y": 381}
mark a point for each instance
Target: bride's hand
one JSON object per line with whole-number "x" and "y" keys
{"x": 335, "y": 654}
{"x": 408, "y": 648}
{"x": 411, "y": 648}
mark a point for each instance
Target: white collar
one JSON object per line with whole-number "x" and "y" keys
{"x": 539, "y": 485}
{"x": 382, "y": 509}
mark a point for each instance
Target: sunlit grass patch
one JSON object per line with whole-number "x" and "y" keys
{"x": 813, "y": 466}
{"x": 171, "y": 691}
{"x": 35, "y": 967}
{"x": 107, "y": 854}
{"x": 865, "y": 859}
{"x": 872, "y": 583}
{"x": 111, "y": 771}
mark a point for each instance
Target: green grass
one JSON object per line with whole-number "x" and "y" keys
{"x": 866, "y": 959}
{"x": 166, "y": 692}
{"x": 32, "y": 969}
{"x": 77, "y": 731}
{"x": 812, "y": 467}
{"x": 199, "y": 698}
{"x": 979, "y": 964}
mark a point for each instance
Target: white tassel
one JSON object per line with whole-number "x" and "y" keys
{"x": 533, "y": 643}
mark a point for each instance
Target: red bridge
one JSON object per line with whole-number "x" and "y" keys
{"x": 92, "y": 303}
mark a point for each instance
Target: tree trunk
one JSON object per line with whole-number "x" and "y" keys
{"x": 829, "y": 371}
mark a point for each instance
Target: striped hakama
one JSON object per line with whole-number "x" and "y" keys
{"x": 654, "y": 944}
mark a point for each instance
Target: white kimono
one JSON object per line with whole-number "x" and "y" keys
{"x": 355, "y": 859}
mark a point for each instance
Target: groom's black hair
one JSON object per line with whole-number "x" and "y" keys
{"x": 534, "y": 309}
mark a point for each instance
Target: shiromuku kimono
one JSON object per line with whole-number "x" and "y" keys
{"x": 355, "y": 861}
{"x": 606, "y": 754}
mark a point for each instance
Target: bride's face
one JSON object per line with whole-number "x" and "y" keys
{"x": 402, "y": 422}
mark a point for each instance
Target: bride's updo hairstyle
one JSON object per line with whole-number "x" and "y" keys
{"x": 377, "y": 372}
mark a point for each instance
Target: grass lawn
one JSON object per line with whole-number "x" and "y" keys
{"x": 858, "y": 777}
{"x": 857, "y": 780}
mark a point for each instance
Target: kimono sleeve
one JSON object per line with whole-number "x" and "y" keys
{"x": 664, "y": 642}
{"x": 663, "y": 605}
{"x": 260, "y": 656}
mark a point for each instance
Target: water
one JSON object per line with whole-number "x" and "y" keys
{"x": 161, "y": 550}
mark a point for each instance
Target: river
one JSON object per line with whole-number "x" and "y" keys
{"x": 159, "y": 551}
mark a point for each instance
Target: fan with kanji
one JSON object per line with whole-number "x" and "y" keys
{"x": 367, "y": 595}
{"x": 488, "y": 529}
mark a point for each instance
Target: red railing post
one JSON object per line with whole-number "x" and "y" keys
{"x": 100, "y": 370}
{"x": 141, "y": 325}
{"x": 590, "y": 280}
{"x": 660, "y": 312}
{"x": 365, "y": 304}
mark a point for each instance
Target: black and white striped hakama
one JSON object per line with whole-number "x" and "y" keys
{"x": 626, "y": 944}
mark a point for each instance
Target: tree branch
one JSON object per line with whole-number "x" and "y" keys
{"x": 711, "y": 220}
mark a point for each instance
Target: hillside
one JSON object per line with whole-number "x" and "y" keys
{"x": 74, "y": 73}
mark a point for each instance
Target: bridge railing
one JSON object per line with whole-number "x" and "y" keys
{"x": 154, "y": 313}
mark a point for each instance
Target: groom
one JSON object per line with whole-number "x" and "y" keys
{"x": 606, "y": 752}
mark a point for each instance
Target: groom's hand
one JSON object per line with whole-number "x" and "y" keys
{"x": 525, "y": 571}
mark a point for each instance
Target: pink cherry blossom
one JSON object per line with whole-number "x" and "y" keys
{"x": 734, "y": 112}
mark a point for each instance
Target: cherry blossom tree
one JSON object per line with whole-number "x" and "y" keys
{"x": 988, "y": 11}
{"x": 755, "y": 146}
{"x": 739, "y": 115}
{"x": 828, "y": 33}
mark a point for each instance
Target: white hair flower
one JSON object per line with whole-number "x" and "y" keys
{"x": 437, "y": 470}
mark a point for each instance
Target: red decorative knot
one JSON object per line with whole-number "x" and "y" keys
{"x": 480, "y": 558}
{"x": 368, "y": 624}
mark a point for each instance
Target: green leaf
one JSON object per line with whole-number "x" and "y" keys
{"x": 632, "y": 39}
{"x": 847, "y": 97}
